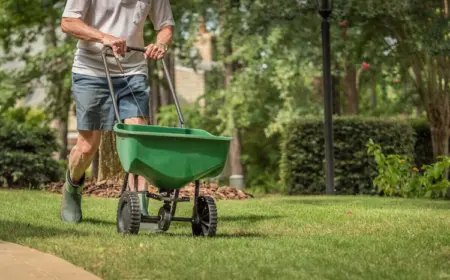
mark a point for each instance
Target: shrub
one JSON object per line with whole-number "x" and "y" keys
{"x": 397, "y": 175}
{"x": 303, "y": 160}
{"x": 26, "y": 148}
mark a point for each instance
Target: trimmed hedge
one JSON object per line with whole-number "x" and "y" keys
{"x": 302, "y": 161}
{"x": 26, "y": 155}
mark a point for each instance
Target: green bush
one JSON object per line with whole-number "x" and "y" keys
{"x": 303, "y": 160}
{"x": 26, "y": 147}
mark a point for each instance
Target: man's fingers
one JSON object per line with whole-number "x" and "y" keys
{"x": 160, "y": 54}
{"x": 119, "y": 47}
{"x": 115, "y": 49}
{"x": 124, "y": 47}
{"x": 154, "y": 52}
{"x": 148, "y": 51}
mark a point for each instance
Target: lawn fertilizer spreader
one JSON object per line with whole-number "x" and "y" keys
{"x": 168, "y": 158}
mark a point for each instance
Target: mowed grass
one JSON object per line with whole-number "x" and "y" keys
{"x": 265, "y": 238}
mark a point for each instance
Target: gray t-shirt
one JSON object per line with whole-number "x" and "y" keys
{"x": 121, "y": 18}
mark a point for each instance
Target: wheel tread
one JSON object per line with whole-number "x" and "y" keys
{"x": 132, "y": 199}
{"x": 210, "y": 204}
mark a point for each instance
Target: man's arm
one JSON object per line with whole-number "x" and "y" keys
{"x": 78, "y": 29}
{"x": 163, "y": 39}
{"x": 162, "y": 19}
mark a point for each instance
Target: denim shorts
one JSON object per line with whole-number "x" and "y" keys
{"x": 94, "y": 107}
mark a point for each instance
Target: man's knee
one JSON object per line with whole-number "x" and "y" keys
{"x": 137, "y": 120}
{"x": 88, "y": 142}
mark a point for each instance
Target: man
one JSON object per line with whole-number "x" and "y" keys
{"x": 115, "y": 23}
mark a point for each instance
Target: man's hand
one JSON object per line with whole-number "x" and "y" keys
{"x": 155, "y": 51}
{"x": 118, "y": 45}
{"x": 158, "y": 50}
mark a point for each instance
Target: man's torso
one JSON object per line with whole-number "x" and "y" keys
{"x": 121, "y": 18}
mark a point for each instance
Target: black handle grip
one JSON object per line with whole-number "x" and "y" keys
{"x": 138, "y": 49}
{"x": 129, "y": 48}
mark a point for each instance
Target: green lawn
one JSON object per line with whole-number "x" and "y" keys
{"x": 266, "y": 238}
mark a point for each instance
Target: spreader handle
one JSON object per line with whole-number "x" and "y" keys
{"x": 166, "y": 71}
{"x": 174, "y": 95}
{"x": 137, "y": 49}
{"x": 169, "y": 81}
{"x": 129, "y": 48}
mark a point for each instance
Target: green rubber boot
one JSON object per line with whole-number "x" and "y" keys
{"x": 143, "y": 203}
{"x": 71, "y": 200}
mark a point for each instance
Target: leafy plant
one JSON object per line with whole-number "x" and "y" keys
{"x": 397, "y": 175}
{"x": 26, "y": 147}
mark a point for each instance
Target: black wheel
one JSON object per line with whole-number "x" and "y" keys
{"x": 205, "y": 224}
{"x": 164, "y": 223}
{"x": 128, "y": 213}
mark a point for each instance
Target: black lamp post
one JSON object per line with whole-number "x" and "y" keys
{"x": 325, "y": 11}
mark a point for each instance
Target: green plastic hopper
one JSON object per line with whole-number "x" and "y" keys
{"x": 170, "y": 157}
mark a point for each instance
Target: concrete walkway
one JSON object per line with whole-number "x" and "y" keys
{"x": 20, "y": 263}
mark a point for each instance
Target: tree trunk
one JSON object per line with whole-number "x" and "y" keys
{"x": 95, "y": 166}
{"x": 351, "y": 90}
{"x": 439, "y": 138}
{"x": 237, "y": 169}
{"x": 110, "y": 168}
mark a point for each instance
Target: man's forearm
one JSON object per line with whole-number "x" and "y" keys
{"x": 164, "y": 36}
{"x": 80, "y": 30}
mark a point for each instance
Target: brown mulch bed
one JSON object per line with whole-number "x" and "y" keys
{"x": 112, "y": 190}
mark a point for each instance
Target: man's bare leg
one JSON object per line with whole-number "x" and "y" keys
{"x": 79, "y": 160}
{"x": 82, "y": 154}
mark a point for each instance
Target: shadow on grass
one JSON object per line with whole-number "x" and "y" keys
{"x": 98, "y": 222}
{"x": 217, "y": 236}
{"x": 249, "y": 218}
{"x": 243, "y": 218}
{"x": 12, "y": 231}
{"x": 374, "y": 202}
{"x": 314, "y": 201}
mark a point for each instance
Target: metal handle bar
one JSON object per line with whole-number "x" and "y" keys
{"x": 166, "y": 72}
{"x": 129, "y": 48}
